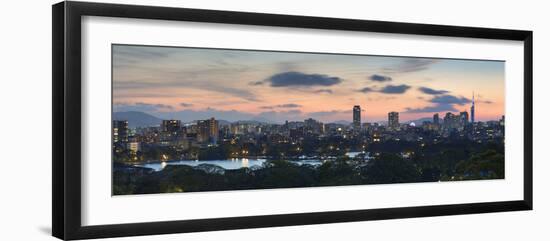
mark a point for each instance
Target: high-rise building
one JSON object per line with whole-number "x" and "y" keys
{"x": 120, "y": 131}
{"x": 202, "y": 130}
{"x": 357, "y": 117}
{"x": 296, "y": 133}
{"x": 133, "y": 146}
{"x": 214, "y": 129}
{"x": 436, "y": 119}
{"x": 169, "y": 131}
{"x": 313, "y": 126}
{"x": 472, "y": 110}
{"x": 170, "y": 126}
{"x": 393, "y": 120}
{"x": 463, "y": 118}
{"x": 208, "y": 130}
{"x": 451, "y": 121}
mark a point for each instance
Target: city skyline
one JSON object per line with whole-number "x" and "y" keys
{"x": 232, "y": 85}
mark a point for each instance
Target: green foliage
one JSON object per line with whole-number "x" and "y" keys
{"x": 486, "y": 165}
{"x": 430, "y": 163}
{"x": 284, "y": 174}
{"x": 390, "y": 168}
{"x": 214, "y": 153}
{"x": 339, "y": 172}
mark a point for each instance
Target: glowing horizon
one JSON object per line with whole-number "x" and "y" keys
{"x": 193, "y": 83}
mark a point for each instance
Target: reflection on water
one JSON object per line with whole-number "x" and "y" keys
{"x": 234, "y": 163}
{"x": 244, "y": 162}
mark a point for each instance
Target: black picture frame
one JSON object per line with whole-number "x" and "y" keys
{"x": 66, "y": 75}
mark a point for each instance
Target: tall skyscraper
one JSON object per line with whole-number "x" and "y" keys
{"x": 208, "y": 130}
{"x": 451, "y": 121}
{"x": 463, "y": 118}
{"x": 120, "y": 131}
{"x": 169, "y": 130}
{"x": 313, "y": 126}
{"x": 357, "y": 117}
{"x": 472, "y": 109}
{"x": 393, "y": 120}
{"x": 448, "y": 120}
{"x": 170, "y": 126}
{"x": 214, "y": 130}
{"x": 436, "y": 119}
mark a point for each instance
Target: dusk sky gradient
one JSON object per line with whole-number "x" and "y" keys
{"x": 195, "y": 83}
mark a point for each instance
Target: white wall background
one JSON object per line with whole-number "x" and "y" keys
{"x": 25, "y": 120}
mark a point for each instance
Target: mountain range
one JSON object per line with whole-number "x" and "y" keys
{"x": 137, "y": 119}
{"x": 141, "y": 119}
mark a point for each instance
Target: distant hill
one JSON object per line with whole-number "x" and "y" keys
{"x": 140, "y": 119}
{"x": 419, "y": 122}
{"x": 224, "y": 122}
{"x": 137, "y": 119}
{"x": 258, "y": 121}
{"x": 341, "y": 122}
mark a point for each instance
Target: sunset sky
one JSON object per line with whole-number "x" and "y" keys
{"x": 195, "y": 83}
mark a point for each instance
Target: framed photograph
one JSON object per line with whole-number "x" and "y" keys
{"x": 169, "y": 120}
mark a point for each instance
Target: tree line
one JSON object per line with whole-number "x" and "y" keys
{"x": 438, "y": 162}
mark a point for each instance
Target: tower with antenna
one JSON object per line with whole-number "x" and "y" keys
{"x": 472, "y": 109}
